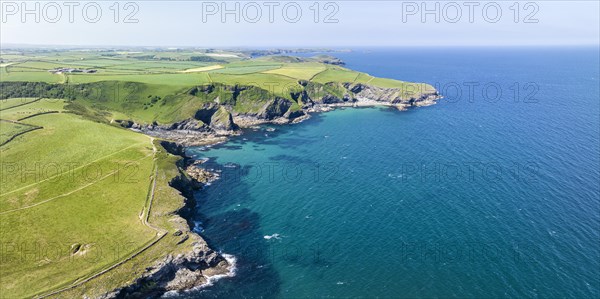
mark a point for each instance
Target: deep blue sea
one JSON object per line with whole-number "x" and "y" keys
{"x": 493, "y": 192}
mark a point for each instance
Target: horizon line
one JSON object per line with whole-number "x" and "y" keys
{"x": 7, "y": 46}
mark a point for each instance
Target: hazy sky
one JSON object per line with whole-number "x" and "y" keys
{"x": 293, "y": 24}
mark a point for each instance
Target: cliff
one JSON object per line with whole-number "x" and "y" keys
{"x": 228, "y": 108}
{"x": 194, "y": 264}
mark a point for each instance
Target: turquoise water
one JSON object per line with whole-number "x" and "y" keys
{"x": 472, "y": 197}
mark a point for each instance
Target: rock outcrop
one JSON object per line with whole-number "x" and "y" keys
{"x": 201, "y": 175}
{"x": 275, "y": 108}
{"x": 192, "y": 268}
{"x": 177, "y": 273}
{"x": 222, "y": 120}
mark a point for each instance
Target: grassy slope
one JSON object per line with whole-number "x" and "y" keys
{"x": 28, "y": 110}
{"x": 83, "y": 187}
{"x": 9, "y": 103}
{"x": 82, "y": 184}
{"x": 303, "y": 71}
{"x": 8, "y": 130}
{"x": 166, "y": 201}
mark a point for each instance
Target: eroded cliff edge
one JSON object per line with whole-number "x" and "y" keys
{"x": 227, "y": 108}
{"x": 194, "y": 263}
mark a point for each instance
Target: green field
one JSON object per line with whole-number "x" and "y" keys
{"x": 32, "y": 108}
{"x": 303, "y": 71}
{"x": 74, "y": 199}
{"x": 9, "y": 130}
{"x": 151, "y": 87}
{"x": 29, "y": 75}
{"x": 9, "y": 103}
{"x": 336, "y": 74}
{"x": 84, "y": 193}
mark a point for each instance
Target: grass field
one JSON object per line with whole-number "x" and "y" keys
{"x": 146, "y": 88}
{"x": 70, "y": 200}
{"x": 9, "y": 103}
{"x": 304, "y": 71}
{"x": 336, "y": 74}
{"x": 32, "y": 108}
{"x": 147, "y": 67}
{"x": 30, "y": 75}
{"x": 203, "y": 69}
{"x": 249, "y": 69}
{"x": 9, "y": 129}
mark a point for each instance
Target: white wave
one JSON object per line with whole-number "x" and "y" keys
{"x": 232, "y": 271}
{"x": 273, "y": 236}
{"x": 210, "y": 280}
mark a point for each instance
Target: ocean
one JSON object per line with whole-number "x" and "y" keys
{"x": 493, "y": 192}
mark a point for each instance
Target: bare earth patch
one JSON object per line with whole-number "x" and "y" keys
{"x": 203, "y": 69}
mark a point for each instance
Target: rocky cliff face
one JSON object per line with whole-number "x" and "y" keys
{"x": 275, "y": 108}
{"x": 227, "y": 108}
{"x": 177, "y": 273}
{"x": 192, "y": 268}
{"x": 407, "y": 97}
{"x": 222, "y": 121}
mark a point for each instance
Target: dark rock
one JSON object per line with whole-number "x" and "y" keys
{"x": 183, "y": 239}
{"x": 275, "y": 108}
{"x": 222, "y": 120}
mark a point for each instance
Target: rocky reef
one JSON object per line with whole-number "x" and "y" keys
{"x": 200, "y": 175}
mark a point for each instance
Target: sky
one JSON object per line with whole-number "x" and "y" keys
{"x": 300, "y": 23}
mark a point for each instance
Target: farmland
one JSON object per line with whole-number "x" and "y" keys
{"x": 152, "y": 86}
{"x": 71, "y": 204}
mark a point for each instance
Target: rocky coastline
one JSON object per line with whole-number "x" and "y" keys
{"x": 214, "y": 124}
{"x": 196, "y": 268}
